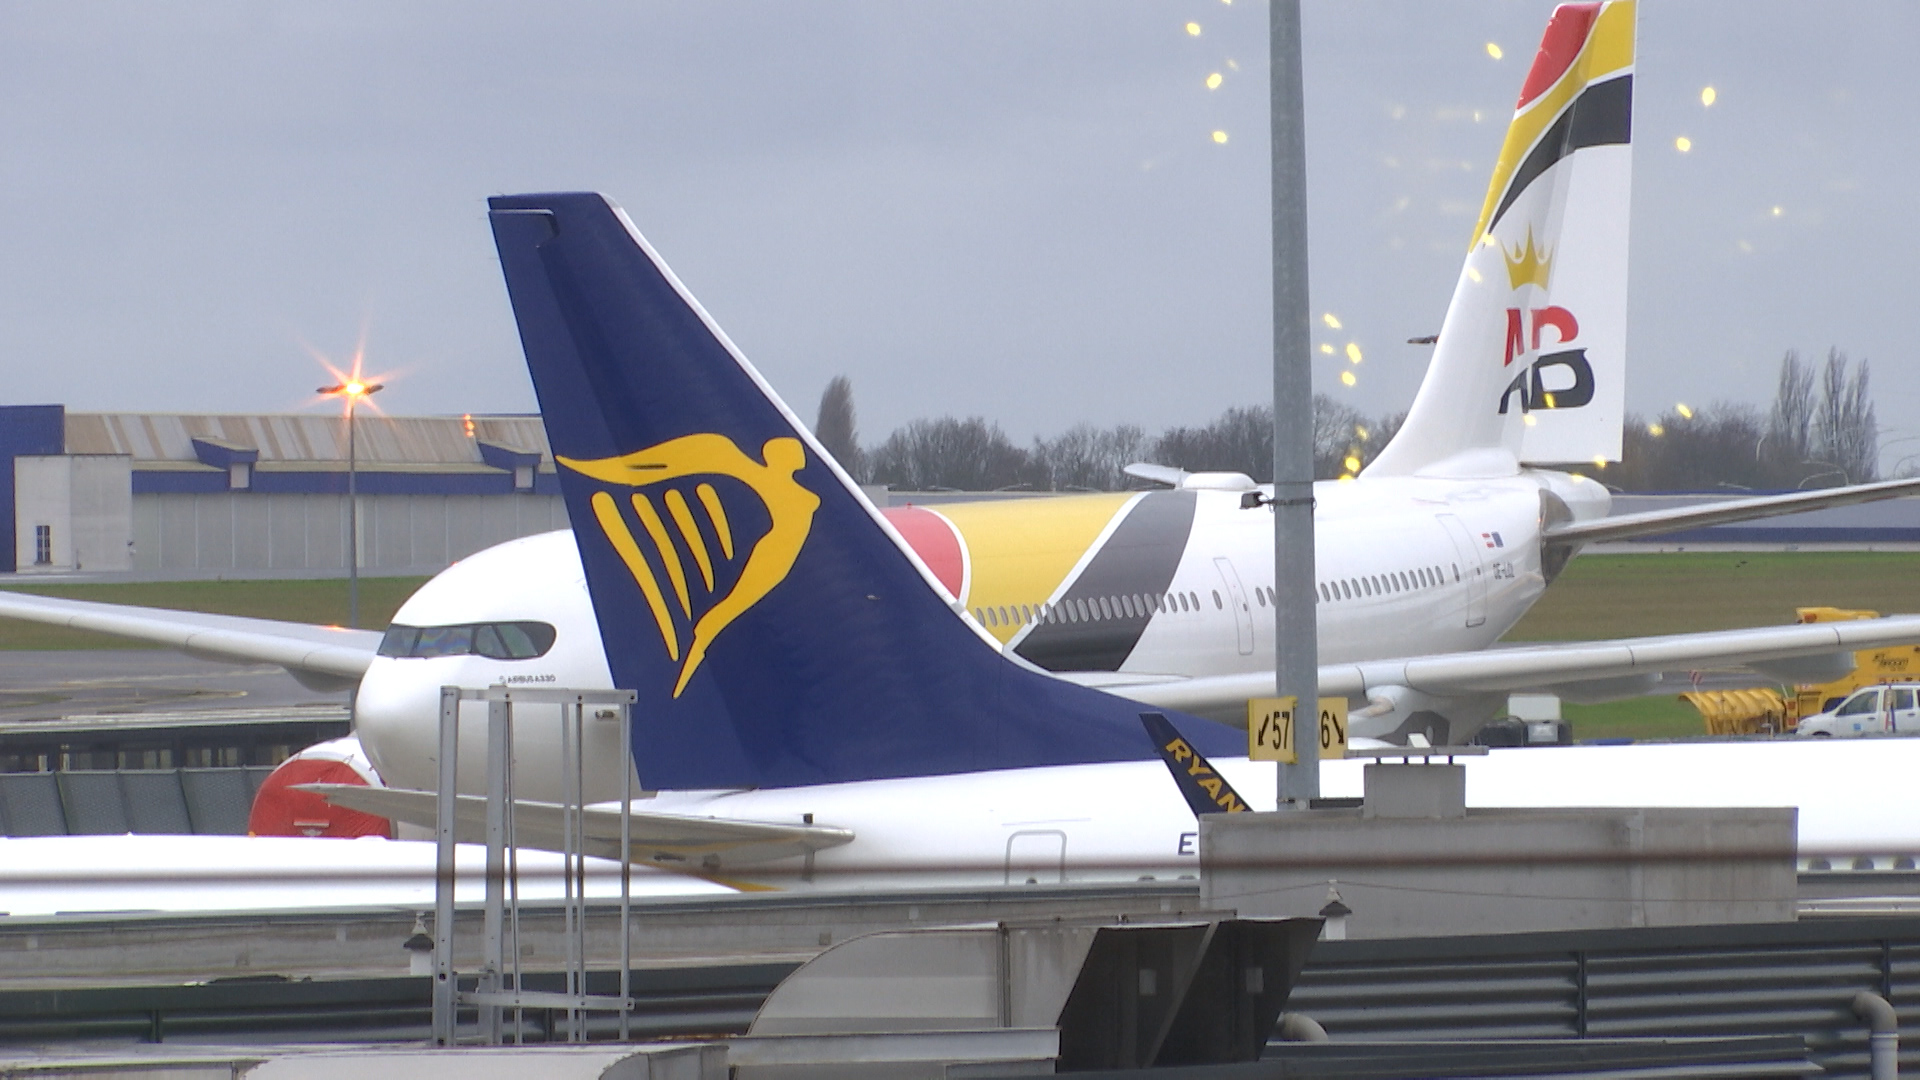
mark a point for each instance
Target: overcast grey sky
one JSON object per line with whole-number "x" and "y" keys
{"x": 1010, "y": 209}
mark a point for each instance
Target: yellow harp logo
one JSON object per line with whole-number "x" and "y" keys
{"x": 789, "y": 508}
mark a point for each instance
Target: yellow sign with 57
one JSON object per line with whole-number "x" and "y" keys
{"x": 1270, "y": 729}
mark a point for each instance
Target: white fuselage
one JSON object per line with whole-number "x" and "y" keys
{"x": 1419, "y": 566}
{"x": 1082, "y": 823}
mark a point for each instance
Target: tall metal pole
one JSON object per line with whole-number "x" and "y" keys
{"x": 1296, "y": 638}
{"x": 353, "y": 522}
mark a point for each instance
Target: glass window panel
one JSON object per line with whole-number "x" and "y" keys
{"x": 398, "y": 640}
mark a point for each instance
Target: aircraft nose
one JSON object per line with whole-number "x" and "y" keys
{"x": 396, "y": 716}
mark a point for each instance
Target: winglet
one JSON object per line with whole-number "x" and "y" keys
{"x": 1206, "y": 791}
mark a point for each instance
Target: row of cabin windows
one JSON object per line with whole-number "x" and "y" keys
{"x": 1424, "y": 577}
{"x": 1139, "y": 605}
{"x": 1095, "y": 609}
{"x": 1397, "y": 581}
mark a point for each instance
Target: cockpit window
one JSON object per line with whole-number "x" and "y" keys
{"x": 495, "y": 641}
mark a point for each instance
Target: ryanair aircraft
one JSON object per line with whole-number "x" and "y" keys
{"x": 827, "y": 688}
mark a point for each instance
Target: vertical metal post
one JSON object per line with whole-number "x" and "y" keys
{"x": 569, "y": 801}
{"x": 443, "y": 876}
{"x": 580, "y": 860}
{"x": 513, "y": 884}
{"x": 1297, "y": 647}
{"x": 626, "y": 875}
{"x": 353, "y": 523}
{"x": 499, "y": 767}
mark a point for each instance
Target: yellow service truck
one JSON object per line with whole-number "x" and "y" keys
{"x": 1752, "y": 712}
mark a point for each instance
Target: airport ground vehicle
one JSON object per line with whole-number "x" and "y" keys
{"x": 1890, "y": 709}
{"x": 1763, "y": 710}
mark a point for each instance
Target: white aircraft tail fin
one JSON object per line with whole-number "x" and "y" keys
{"x": 1531, "y": 358}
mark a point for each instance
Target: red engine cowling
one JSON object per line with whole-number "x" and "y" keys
{"x": 279, "y": 810}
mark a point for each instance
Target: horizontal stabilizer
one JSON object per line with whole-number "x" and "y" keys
{"x": 700, "y": 845}
{"x": 1156, "y": 474}
{"x": 324, "y": 652}
{"x": 1655, "y": 522}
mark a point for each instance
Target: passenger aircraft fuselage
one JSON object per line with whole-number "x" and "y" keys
{"x": 1108, "y": 587}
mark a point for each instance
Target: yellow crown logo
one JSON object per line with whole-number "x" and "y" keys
{"x": 1526, "y": 265}
{"x": 704, "y": 611}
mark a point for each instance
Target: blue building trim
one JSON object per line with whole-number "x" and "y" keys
{"x": 502, "y": 456}
{"x": 224, "y": 455}
{"x": 1777, "y": 534}
{"x": 25, "y": 431}
{"x": 197, "y": 482}
{"x": 174, "y": 482}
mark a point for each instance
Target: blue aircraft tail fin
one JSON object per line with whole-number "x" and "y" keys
{"x": 774, "y": 628}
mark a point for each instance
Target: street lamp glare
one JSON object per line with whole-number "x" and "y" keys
{"x": 353, "y": 390}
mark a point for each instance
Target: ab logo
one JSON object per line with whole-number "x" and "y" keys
{"x": 731, "y": 570}
{"x": 1529, "y": 267}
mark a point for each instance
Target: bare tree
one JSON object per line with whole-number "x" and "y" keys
{"x": 1846, "y": 435}
{"x": 949, "y": 454}
{"x": 836, "y": 430}
{"x": 1341, "y": 439}
{"x": 1239, "y": 440}
{"x": 1790, "y": 425}
{"x": 1087, "y": 458}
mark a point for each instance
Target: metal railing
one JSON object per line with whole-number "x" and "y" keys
{"x": 500, "y": 985}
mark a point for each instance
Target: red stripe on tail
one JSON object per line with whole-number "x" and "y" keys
{"x": 1566, "y": 32}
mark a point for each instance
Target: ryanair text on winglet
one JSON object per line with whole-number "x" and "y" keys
{"x": 1201, "y": 775}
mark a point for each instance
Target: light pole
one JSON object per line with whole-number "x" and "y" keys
{"x": 353, "y": 390}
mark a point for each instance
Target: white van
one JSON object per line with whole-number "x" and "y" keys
{"x": 1870, "y": 710}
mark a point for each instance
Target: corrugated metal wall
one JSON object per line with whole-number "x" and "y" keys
{"x": 283, "y": 437}
{"x": 1792, "y": 978}
{"x": 253, "y": 531}
{"x": 184, "y": 801}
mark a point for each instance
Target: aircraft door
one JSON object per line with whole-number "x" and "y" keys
{"x": 1471, "y": 571}
{"x": 1861, "y": 712}
{"x": 1037, "y": 857}
{"x": 1237, "y": 599}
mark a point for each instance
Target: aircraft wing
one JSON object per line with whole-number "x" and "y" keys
{"x": 1655, "y": 522}
{"x": 1575, "y": 666}
{"x": 681, "y": 842}
{"x": 321, "y": 657}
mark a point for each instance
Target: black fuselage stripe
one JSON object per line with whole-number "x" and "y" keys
{"x": 1600, "y": 115}
{"x": 1139, "y": 558}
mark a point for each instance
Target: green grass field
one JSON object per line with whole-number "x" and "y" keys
{"x": 1606, "y": 596}
{"x": 1599, "y": 596}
